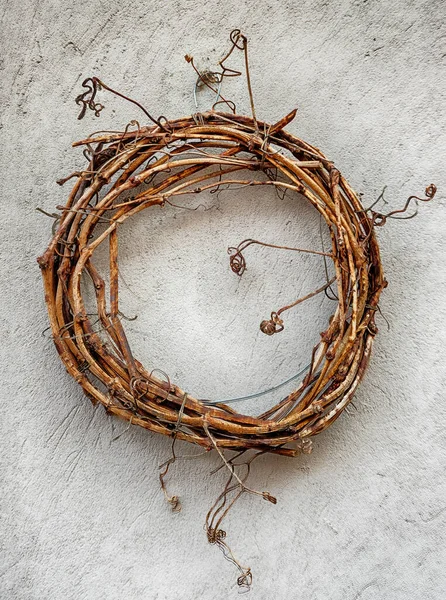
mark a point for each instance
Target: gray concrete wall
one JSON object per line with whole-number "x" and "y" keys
{"x": 363, "y": 517}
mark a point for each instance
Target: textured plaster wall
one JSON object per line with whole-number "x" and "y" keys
{"x": 363, "y": 517}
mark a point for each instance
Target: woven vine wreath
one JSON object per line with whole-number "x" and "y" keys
{"x": 154, "y": 166}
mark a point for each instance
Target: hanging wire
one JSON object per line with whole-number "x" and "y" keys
{"x": 258, "y": 394}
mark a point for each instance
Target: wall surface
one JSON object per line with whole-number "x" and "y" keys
{"x": 362, "y": 517}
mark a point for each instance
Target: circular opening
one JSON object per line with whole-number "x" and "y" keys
{"x": 197, "y": 320}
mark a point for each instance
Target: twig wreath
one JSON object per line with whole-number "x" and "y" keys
{"x": 154, "y": 166}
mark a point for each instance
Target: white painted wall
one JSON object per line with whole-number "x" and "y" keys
{"x": 363, "y": 517}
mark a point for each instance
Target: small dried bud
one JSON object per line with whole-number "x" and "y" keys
{"x": 274, "y": 325}
{"x": 175, "y": 503}
{"x": 268, "y": 327}
{"x": 188, "y": 58}
{"x": 431, "y": 190}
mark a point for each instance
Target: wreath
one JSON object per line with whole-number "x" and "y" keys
{"x": 154, "y": 165}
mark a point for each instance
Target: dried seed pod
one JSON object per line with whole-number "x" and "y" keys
{"x": 273, "y": 325}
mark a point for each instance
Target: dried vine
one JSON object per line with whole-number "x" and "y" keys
{"x": 152, "y": 166}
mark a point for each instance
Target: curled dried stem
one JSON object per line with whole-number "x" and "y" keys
{"x": 87, "y": 100}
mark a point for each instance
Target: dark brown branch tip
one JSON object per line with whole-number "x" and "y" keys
{"x": 269, "y": 497}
